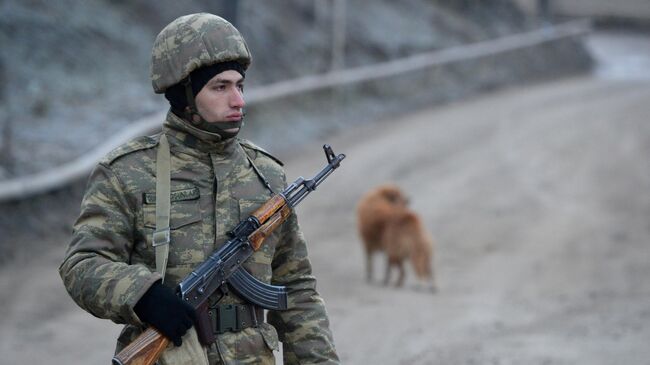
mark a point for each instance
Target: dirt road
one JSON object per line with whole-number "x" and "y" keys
{"x": 539, "y": 202}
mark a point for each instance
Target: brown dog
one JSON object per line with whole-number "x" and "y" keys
{"x": 386, "y": 224}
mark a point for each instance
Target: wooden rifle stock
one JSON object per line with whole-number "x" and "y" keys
{"x": 144, "y": 350}
{"x": 257, "y": 238}
{"x": 269, "y": 208}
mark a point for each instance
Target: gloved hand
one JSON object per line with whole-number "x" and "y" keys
{"x": 161, "y": 308}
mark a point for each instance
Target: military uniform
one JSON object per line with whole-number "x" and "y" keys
{"x": 110, "y": 261}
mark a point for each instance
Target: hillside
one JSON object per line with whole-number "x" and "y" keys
{"x": 75, "y": 72}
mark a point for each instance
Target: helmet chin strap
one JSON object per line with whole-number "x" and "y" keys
{"x": 196, "y": 119}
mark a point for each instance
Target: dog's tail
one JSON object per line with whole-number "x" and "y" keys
{"x": 421, "y": 245}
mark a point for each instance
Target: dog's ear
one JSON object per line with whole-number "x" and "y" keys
{"x": 401, "y": 199}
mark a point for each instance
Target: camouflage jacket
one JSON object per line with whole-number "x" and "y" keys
{"x": 110, "y": 262}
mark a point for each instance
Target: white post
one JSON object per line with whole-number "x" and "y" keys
{"x": 338, "y": 34}
{"x": 321, "y": 12}
{"x": 231, "y": 11}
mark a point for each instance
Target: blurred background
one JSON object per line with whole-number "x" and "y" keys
{"x": 518, "y": 127}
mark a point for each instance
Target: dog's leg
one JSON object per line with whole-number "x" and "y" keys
{"x": 369, "y": 268}
{"x": 426, "y": 274}
{"x": 400, "y": 278}
{"x": 387, "y": 274}
{"x": 432, "y": 280}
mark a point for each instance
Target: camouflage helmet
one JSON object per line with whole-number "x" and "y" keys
{"x": 191, "y": 42}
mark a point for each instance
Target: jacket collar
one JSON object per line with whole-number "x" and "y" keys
{"x": 181, "y": 132}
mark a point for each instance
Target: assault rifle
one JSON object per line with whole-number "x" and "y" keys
{"x": 223, "y": 267}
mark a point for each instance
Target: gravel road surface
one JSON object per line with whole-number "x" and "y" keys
{"x": 538, "y": 199}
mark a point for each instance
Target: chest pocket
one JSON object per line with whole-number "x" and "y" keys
{"x": 187, "y": 239}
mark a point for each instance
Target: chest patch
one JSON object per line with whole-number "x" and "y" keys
{"x": 175, "y": 196}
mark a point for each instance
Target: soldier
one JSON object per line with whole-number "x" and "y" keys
{"x": 115, "y": 267}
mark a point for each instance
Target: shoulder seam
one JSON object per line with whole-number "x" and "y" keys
{"x": 248, "y": 144}
{"x": 145, "y": 142}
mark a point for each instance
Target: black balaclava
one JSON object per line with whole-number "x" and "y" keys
{"x": 181, "y": 95}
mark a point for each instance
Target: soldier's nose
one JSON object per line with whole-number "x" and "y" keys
{"x": 237, "y": 100}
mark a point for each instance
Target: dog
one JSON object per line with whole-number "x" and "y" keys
{"x": 386, "y": 224}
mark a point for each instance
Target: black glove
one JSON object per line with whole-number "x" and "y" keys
{"x": 162, "y": 309}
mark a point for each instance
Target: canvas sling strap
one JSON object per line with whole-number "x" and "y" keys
{"x": 161, "y": 236}
{"x": 263, "y": 179}
{"x": 191, "y": 352}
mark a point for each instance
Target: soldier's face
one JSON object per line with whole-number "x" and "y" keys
{"x": 221, "y": 100}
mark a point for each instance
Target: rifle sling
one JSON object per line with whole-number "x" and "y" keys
{"x": 161, "y": 235}
{"x": 263, "y": 179}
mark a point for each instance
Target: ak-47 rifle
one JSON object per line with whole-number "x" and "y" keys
{"x": 223, "y": 267}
